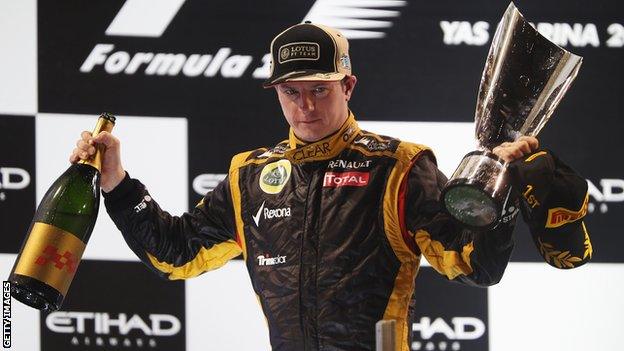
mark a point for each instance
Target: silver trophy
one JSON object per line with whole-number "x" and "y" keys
{"x": 524, "y": 78}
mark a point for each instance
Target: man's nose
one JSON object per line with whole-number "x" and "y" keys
{"x": 306, "y": 102}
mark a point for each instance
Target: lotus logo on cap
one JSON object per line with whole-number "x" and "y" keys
{"x": 299, "y": 51}
{"x": 284, "y": 53}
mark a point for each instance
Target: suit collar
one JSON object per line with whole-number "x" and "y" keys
{"x": 325, "y": 148}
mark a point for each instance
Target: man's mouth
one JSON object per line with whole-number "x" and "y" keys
{"x": 310, "y": 121}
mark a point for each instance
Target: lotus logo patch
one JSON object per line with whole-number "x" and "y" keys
{"x": 274, "y": 176}
{"x": 299, "y": 51}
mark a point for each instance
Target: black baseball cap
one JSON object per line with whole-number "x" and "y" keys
{"x": 558, "y": 191}
{"x": 555, "y": 201}
{"x": 309, "y": 52}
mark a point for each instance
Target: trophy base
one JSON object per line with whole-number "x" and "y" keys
{"x": 476, "y": 193}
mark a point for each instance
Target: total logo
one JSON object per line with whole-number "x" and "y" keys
{"x": 150, "y": 19}
{"x": 101, "y": 329}
{"x": 12, "y": 178}
{"x": 270, "y": 213}
{"x": 607, "y": 191}
{"x": 339, "y": 179}
{"x": 460, "y": 328}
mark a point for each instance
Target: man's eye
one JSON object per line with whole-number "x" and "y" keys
{"x": 320, "y": 90}
{"x": 290, "y": 92}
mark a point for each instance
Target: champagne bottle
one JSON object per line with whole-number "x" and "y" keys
{"x": 59, "y": 232}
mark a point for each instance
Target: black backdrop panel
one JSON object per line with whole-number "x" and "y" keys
{"x": 448, "y": 315}
{"x": 17, "y": 180}
{"x": 117, "y": 306}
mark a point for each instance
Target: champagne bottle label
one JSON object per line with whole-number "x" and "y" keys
{"x": 50, "y": 255}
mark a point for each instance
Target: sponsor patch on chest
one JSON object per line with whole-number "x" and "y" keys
{"x": 274, "y": 176}
{"x": 346, "y": 164}
{"x": 267, "y": 260}
{"x": 338, "y": 179}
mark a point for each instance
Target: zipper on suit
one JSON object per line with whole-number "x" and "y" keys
{"x": 306, "y": 347}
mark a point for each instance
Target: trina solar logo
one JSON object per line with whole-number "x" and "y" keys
{"x": 138, "y": 18}
{"x": 109, "y": 331}
{"x": 603, "y": 193}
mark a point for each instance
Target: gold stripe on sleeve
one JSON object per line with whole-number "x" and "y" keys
{"x": 206, "y": 260}
{"x": 237, "y": 162}
{"x": 448, "y": 262}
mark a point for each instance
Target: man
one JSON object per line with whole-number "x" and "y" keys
{"x": 331, "y": 222}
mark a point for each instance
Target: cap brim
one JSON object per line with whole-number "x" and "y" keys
{"x": 304, "y": 76}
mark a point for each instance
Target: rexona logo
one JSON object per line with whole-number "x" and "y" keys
{"x": 447, "y": 334}
{"x": 270, "y": 213}
{"x": 111, "y": 331}
{"x": 608, "y": 191}
{"x": 12, "y": 178}
{"x": 150, "y": 19}
{"x": 266, "y": 260}
{"x": 338, "y": 179}
{"x": 274, "y": 176}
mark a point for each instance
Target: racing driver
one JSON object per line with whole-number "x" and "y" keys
{"x": 332, "y": 222}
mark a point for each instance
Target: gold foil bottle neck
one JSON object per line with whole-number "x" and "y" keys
{"x": 105, "y": 123}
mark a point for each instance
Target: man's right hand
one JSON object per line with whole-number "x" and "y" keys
{"x": 112, "y": 170}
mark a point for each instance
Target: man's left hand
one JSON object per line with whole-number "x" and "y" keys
{"x": 525, "y": 145}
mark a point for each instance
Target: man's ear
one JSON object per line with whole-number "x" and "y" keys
{"x": 349, "y": 83}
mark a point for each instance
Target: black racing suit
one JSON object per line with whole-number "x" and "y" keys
{"x": 331, "y": 232}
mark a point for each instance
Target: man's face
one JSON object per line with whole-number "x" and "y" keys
{"x": 315, "y": 110}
